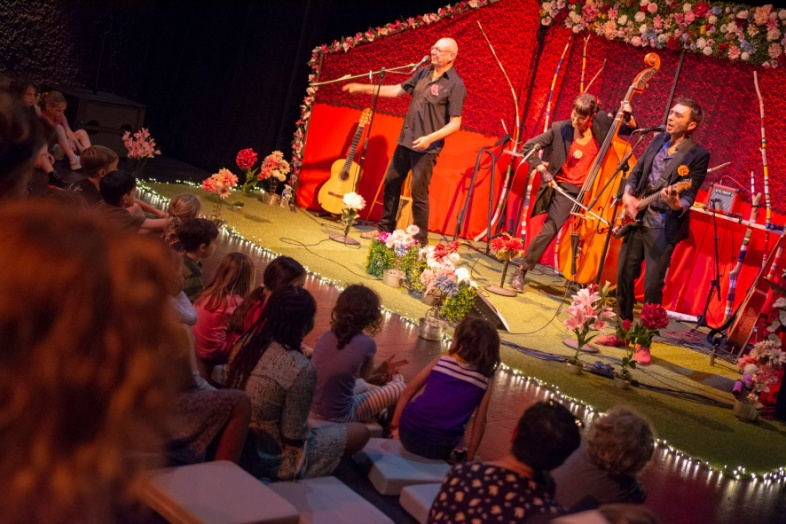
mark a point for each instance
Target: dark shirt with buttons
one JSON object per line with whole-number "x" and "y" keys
{"x": 432, "y": 106}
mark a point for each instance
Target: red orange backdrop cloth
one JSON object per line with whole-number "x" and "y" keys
{"x": 730, "y": 130}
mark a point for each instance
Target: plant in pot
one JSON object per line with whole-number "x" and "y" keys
{"x": 505, "y": 248}
{"x": 273, "y": 171}
{"x": 140, "y": 147}
{"x": 353, "y": 203}
{"x": 588, "y": 316}
{"x": 653, "y": 317}
{"x": 245, "y": 160}
{"x": 393, "y": 254}
{"x": 219, "y": 184}
{"x": 761, "y": 368}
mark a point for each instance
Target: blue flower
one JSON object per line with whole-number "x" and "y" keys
{"x": 400, "y": 250}
{"x": 446, "y": 285}
{"x": 747, "y": 46}
{"x": 716, "y": 10}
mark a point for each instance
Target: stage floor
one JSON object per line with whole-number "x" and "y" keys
{"x": 687, "y": 400}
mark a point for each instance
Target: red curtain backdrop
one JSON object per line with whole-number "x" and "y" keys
{"x": 530, "y": 54}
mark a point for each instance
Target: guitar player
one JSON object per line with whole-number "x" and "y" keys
{"x": 671, "y": 156}
{"x": 438, "y": 95}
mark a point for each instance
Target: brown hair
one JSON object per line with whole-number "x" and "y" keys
{"x": 696, "y": 114}
{"x": 476, "y": 341}
{"x": 88, "y": 369}
{"x": 182, "y": 207}
{"x": 585, "y": 104}
{"x": 357, "y": 308}
{"x": 20, "y": 140}
{"x": 234, "y": 276}
{"x": 96, "y": 158}
{"x": 52, "y": 98}
{"x": 620, "y": 442}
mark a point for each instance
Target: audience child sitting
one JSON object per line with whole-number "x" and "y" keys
{"x": 97, "y": 161}
{"x": 280, "y": 382}
{"x": 282, "y": 271}
{"x": 454, "y": 387}
{"x": 214, "y": 305}
{"x": 344, "y": 357}
{"x": 518, "y": 485}
{"x": 62, "y": 139}
{"x": 603, "y": 470}
{"x": 182, "y": 207}
{"x": 88, "y": 367}
{"x": 118, "y": 190}
{"x": 209, "y": 423}
{"x": 198, "y": 239}
{"x": 20, "y": 140}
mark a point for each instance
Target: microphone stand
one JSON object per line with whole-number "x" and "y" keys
{"x": 701, "y": 320}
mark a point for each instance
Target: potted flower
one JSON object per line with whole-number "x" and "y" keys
{"x": 352, "y": 204}
{"x": 638, "y": 337}
{"x": 588, "y": 315}
{"x": 219, "y": 184}
{"x": 391, "y": 255}
{"x": 761, "y": 369}
{"x": 274, "y": 169}
{"x": 245, "y": 160}
{"x": 140, "y": 146}
{"x": 505, "y": 248}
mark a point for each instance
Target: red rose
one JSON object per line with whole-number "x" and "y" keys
{"x": 701, "y": 9}
{"x": 722, "y": 48}
{"x": 654, "y": 316}
{"x": 782, "y": 60}
{"x": 672, "y": 44}
{"x": 246, "y": 159}
{"x": 626, "y": 324}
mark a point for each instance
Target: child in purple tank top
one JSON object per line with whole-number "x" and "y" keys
{"x": 454, "y": 387}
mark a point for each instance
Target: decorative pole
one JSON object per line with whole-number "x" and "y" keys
{"x": 583, "y": 64}
{"x": 741, "y": 258}
{"x": 768, "y": 211}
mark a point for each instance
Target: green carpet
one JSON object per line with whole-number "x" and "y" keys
{"x": 706, "y": 432}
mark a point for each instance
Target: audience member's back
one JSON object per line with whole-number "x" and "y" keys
{"x": 20, "y": 139}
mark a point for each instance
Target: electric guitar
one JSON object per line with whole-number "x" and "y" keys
{"x": 626, "y": 223}
{"x": 343, "y": 174}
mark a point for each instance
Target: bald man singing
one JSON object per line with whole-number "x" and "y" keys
{"x": 434, "y": 112}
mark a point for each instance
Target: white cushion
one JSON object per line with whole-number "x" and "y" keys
{"x": 214, "y": 492}
{"x": 327, "y": 500}
{"x": 417, "y": 500}
{"x": 390, "y": 467}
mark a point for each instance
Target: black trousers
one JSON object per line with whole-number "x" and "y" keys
{"x": 559, "y": 211}
{"x": 422, "y": 166}
{"x": 648, "y": 245}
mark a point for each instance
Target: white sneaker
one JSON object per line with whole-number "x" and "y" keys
{"x": 75, "y": 165}
{"x": 58, "y": 152}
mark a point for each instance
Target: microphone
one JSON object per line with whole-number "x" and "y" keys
{"x": 422, "y": 61}
{"x": 660, "y": 128}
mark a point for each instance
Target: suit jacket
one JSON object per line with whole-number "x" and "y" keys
{"x": 689, "y": 154}
{"x": 556, "y": 143}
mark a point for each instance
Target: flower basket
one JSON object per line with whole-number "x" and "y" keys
{"x": 432, "y": 328}
{"x": 459, "y": 305}
{"x": 270, "y": 199}
{"x": 574, "y": 369}
{"x": 397, "y": 250}
{"x": 747, "y": 411}
{"x": 393, "y": 277}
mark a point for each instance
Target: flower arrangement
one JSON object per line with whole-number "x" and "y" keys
{"x": 220, "y": 184}
{"x": 352, "y": 204}
{"x": 397, "y": 250}
{"x": 140, "y": 147}
{"x": 451, "y": 289}
{"x": 588, "y": 315}
{"x": 653, "y": 317}
{"x": 506, "y": 248}
{"x": 731, "y": 31}
{"x": 345, "y": 44}
{"x": 761, "y": 369}
{"x": 274, "y": 169}
{"x": 245, "y": 160}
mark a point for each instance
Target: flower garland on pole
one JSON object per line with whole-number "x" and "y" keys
{"x": 732, "y": 31}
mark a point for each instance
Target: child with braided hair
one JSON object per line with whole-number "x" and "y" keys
{"x": 270, "y": 367}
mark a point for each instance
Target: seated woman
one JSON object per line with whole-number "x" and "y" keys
{"x": 517, "y": 486}
{"x": 89, "y": 366}
{"x": 344, "y": 358}
{"x": 454, "y": 387}
{"x": 603, "y": 470}
{"x": 62, "y": 139}
{"x": 280, "y": 380}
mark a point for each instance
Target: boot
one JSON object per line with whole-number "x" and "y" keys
{"x": 517, "y": 281}
{"x": 55, "y": 180}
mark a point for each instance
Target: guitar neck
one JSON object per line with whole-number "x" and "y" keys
{"x": 646, "y": 201}
{"x": 353, "y": 148}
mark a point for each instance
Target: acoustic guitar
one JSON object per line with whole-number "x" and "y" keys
{"x": 344, "y": 174}
{"x": 626, "y": 223}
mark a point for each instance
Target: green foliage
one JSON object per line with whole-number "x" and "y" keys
{"x": 380, "y": 257}
{"x": 456, "y": 307}
{"x": 414, "y": 272}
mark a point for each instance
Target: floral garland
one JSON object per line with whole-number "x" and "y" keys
{"x": 731, "y": 31}
{"x": 345, "y": 44}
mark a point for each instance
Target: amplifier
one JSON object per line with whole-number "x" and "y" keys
{"x": 722, "y": 198}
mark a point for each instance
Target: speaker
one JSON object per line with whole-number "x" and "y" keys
{"x": 104, "y": 116}
{"x": 485, "y": 309}
{"x": 722, "y": 198}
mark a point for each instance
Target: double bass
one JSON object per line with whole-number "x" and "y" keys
{"x": 583, "y": 256}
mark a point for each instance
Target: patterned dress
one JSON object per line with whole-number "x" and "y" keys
{"x": 477, "y": 493}
{"x": 280, "y": 445}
